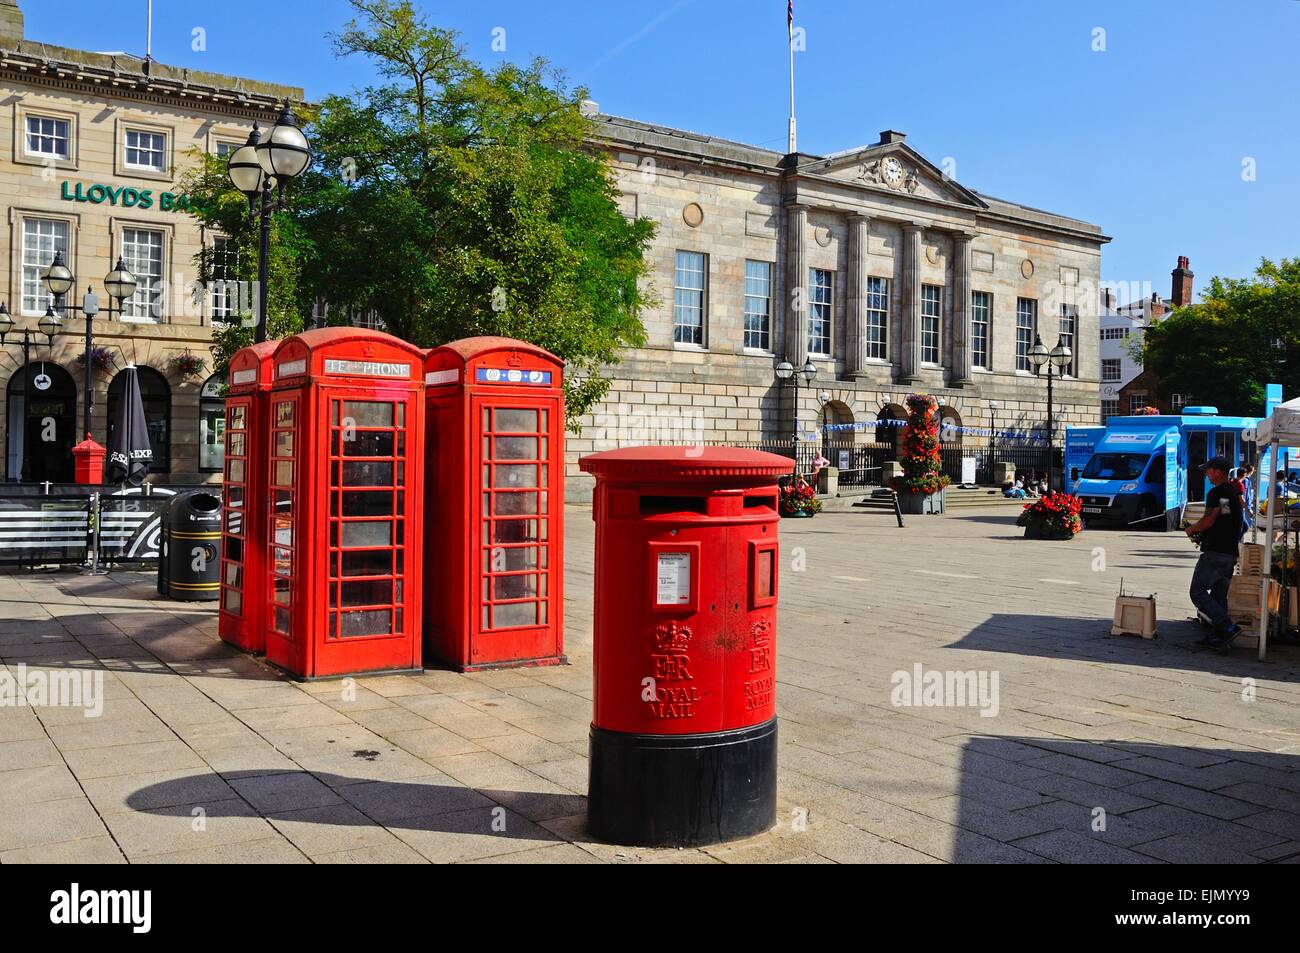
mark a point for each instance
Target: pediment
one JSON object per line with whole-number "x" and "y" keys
{"x": 897, "y": 168}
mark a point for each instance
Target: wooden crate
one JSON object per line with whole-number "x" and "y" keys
{"x": 1135, "y": 615}
{"x": 1250, "y": 559}
{"x": 1243, "y": 598}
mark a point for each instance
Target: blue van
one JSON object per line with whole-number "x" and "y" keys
{"x": 1143, "y": 470}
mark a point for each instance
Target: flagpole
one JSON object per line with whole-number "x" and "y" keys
{"x": 790, "y": 145}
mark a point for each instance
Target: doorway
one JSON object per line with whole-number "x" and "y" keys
{"x": 41, "y": 437}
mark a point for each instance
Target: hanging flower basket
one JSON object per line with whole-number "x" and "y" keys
{"x": 101, "y": 358}
{"x": 798, "y": 499}
{"x": 188, "y": 364}
{"x": 1052, "y": 516}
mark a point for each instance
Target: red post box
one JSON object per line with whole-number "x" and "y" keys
{"x": 683, "y": 738}
{"x": 242, "y": 612}
{"x": 345, "y": 476}
{"x": 89, "y": 461}
{"x": 495, "y": 504}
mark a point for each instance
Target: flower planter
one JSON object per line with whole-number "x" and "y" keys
{"x": 1039, "y": 531}
{"x": 798, "y": 515}
{"x": 919, "y": 503}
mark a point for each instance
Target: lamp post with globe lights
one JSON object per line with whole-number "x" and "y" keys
{"x": 263, "y": 163}
{"x": 1058, "y": 357}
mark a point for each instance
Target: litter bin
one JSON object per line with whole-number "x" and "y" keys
{"x": 189, "y": 562}
{"x": 683, "y": 734}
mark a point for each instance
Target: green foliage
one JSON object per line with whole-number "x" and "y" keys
{"x": 1244, "y": 334}
{"x": 454, "y": 200}
{"x": 225, "y": 211}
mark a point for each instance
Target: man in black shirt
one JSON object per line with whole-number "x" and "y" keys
{"x": 1219, "y": 530}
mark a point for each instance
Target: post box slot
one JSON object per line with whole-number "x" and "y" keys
{"x": 656, "y": 505}
{"x": 762, "y": 574}
{"x": 757, "y": 501}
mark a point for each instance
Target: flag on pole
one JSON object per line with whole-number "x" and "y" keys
{"x": 789, "y": 19}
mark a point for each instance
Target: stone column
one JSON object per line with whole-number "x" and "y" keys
{"x": 855, "y": 324}
{"x": 910, "y": 323}
{"x": 796, "y": 285}
{"x": 961, "y": 314}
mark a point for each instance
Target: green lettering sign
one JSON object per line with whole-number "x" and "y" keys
{"x": 124, "y": 196}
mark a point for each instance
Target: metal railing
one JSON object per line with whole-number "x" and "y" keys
{"x": 74, "y": 525}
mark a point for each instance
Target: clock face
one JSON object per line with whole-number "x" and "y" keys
{"x": 893, "y": 171}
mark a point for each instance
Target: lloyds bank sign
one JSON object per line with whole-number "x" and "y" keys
{"x": 126, "y": 197}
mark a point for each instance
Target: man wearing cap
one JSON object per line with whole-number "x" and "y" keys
{"x": 1220, "y": 530}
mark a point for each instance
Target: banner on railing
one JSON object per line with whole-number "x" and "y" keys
{"x": 45, "y": 523}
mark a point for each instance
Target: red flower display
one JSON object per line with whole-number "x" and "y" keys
{"x": 922, "y": 462}
{"x": 799, "y": 496}
{"x": 1054, "y": 512}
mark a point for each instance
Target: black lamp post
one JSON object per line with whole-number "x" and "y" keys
{"x": 1059, "y": 357}
{"x": 255, "y": 168}
{"x": 785, "y": 372}
{"x": 120, "y": 285}
{"x": 49, "y": 326}
{"x": 993, "y": 436}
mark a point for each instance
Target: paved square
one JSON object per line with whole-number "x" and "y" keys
{"x": 1092, "y": 748}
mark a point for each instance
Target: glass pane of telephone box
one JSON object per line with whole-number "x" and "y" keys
{"x": 515, "y": 420}
{"x": 357, "y": 535}
{"x": 367, "y": 413}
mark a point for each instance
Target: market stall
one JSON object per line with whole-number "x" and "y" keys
{"x": 1281, "y": 429}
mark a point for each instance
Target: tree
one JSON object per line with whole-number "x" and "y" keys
{"x": 453, "y": 200}
{"x": 224, "y": 210}
{"x": 1243, "y": 334}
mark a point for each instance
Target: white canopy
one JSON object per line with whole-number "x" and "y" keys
{"x": 1283, "y": 425}
{"x": 1279, "y": 429}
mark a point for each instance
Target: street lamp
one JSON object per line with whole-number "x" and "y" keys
{"x": 120, "y": 285}
{"x": 993, "y": 436}
{"x": 1059, "y": 357}
{"x": 785, "y": 372}
{"x": 264, "y": 163}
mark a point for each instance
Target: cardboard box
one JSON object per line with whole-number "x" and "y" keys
{"x": 1135, "y": 615}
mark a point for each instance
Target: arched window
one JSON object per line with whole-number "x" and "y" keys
{"x": 949, "y": 427}
{"x": 156, "y": 395}
{"x": 212, "y": 424}
{"x": 40, "y": 437}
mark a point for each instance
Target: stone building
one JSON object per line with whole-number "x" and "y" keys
{"x": 889, "y": 275}
{"x": 94, "y": 148}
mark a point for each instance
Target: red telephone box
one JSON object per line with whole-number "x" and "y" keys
{"x": 345, "y": 477}
{"x": 683, "y": 735}
{"x": 494, "y": 526}
{"x": 241, "y": 618}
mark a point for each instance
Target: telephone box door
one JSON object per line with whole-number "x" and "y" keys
{"x": 371, "y": 531}
{"x": 519, "y": 532}
{"x": 284, "y": 646}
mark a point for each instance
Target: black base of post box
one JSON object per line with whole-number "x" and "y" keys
{"x": 682, "y": 790}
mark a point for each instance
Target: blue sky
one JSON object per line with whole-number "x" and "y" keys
{"x": 1146, "y": 139}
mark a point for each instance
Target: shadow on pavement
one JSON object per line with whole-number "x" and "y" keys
{"x": 1089, "y": 639}
{"x": 1067, "y": 801}
{"x": 341, "y": 801}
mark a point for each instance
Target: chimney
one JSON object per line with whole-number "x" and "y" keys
{"x": 1182, "y": 290}
{"x": 891, "y": 135}
{"x": 1107, "y": 298}
{"x": 11, "y": 24}
{"x": 1157, "y": 307}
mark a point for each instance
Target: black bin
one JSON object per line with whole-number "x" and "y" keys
{"x": 189, "y": 563}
